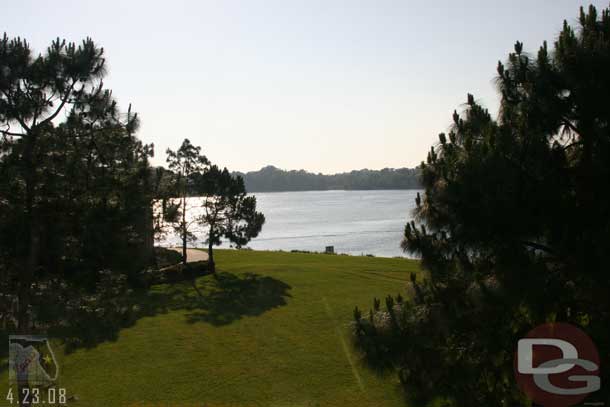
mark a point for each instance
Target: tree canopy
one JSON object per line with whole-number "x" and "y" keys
{"x": 75, "y": 192}
{"x": 228, "y": 213}
{"x": 514, "y": 226}
{"x": 185, "y": 163}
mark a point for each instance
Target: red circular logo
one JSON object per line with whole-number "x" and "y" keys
{"x": 557, "y": 365}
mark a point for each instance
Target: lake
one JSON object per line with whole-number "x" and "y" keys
{"x": 354, "y": 222}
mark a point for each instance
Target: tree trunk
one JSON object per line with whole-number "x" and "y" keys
{"x": 183, "y": 230}
{"x": 30, "y": 252}
{"x": 211, "y": 264}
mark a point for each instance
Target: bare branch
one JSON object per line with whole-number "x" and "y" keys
{"x": 61, "y": 105}
{"x": 7, "y": 132}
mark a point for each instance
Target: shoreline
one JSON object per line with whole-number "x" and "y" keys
{"x": 195, "y": 250}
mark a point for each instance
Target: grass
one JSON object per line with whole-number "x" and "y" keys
{"x": 271, "y": 330}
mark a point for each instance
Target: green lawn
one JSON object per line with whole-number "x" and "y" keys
{"x": 272, "y": 330}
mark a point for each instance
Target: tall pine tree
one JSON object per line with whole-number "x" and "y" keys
{"x": 515, "y": 227}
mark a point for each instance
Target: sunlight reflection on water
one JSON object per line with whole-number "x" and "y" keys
{"x": 354, "y": 222}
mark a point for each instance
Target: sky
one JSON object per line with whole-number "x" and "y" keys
{"x": 326, "y": 86}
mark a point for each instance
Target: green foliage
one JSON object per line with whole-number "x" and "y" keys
{"x": 228, "y": 212}
{"x": 95, "y": 317}
{"x": 166, "y": 210}
{"x": 74, "y": 180}
{"x": 514, "y": 227}
{"x": 185, "y": 163}
{"x": 187, "y": 160}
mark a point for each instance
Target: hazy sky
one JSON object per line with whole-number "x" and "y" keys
{"x": 326, "y": 86}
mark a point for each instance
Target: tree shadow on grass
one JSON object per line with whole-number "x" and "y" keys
{"x": 225, "y": 297}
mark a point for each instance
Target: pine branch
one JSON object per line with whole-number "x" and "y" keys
{"x": 19, "y": 119}
{"x": 61, "y": 105}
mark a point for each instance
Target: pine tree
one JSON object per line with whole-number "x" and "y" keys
{"x": 228, "y": 211}
{"x": 515, "y": 225}
{"x": 36, "y": 93}
{"x": 185, "y": 162}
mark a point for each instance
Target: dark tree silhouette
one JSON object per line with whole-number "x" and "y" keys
{"x": 74, "y": 189}
{"x": 515, "y": 227}
{"x": 185, "y": 163}
{"x": 37, "y": 92}
{"x": 228, "y": 212}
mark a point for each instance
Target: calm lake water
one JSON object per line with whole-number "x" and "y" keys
{"x": 354, "y": 222}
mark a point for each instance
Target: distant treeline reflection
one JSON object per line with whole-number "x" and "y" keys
{"x": 272, "y": 179}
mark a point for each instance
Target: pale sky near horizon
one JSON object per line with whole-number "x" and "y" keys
{"x": 326, "y": 86}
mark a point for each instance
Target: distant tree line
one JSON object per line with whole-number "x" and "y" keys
{"x": 272, "y": 179}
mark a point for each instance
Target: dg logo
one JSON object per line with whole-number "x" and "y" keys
{"x": 557, "y": 365}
